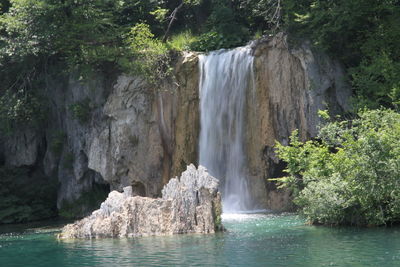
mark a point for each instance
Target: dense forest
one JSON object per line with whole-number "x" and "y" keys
{"x": 350, "y": 174}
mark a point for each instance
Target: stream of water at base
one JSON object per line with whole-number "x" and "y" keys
{"x": 251, "y": 240}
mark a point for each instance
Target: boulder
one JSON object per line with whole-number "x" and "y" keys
{"x": 189, "y": 204}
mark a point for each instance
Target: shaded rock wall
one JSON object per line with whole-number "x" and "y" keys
{"x": 68, "y": 134}
{"x": 126, "y": 148}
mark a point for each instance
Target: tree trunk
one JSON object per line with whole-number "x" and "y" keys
{"x": 172, "y": 19}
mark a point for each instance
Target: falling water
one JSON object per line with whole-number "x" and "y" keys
{"x": 224, "y": 77}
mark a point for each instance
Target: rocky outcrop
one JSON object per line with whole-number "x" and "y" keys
{"x": 290, "y": 86}
{"x": 189, "y": 204}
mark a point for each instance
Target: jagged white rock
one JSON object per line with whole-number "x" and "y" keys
{"x": 189, "y": 204}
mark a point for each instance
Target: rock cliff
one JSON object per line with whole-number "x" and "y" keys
{"x": 189, "y": 204}
{"x": 113, "y": 131}
{"x": 290, "y": 86}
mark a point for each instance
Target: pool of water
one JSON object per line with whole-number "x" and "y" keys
{"x": 251, "y": 240}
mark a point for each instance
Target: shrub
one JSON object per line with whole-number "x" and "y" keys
{"x": 224, "y": 30}
{"x": 181, "y": 41}
{"x": 351, "y": 174}
{"x": 213, "y": 41}
{"x": 152, "y": 59}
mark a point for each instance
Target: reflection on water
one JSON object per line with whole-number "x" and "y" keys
{"x": 251, "y": 240}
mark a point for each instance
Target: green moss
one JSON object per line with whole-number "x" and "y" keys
{"x": 217, "y": 210}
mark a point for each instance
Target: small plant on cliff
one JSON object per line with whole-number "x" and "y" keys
{"x": 351, "y": 174}
{"x": 152, "y": 58}
{"x": 81, "y": 110}
{"x": 182, "y": 41}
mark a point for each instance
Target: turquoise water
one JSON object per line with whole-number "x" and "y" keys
{"x": 251, "y": 240}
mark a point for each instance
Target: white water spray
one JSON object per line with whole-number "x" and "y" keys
{"x": 225, "y": 76}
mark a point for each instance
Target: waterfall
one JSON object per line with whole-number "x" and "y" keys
{"x": 225, "y": 76}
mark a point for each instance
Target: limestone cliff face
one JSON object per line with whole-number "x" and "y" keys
{"x": 59, "y": 148}
{"x": 290, "y": 86}
{"x": 179, "y": 116}
{"x": 150, "y": 134}
{"x": 133, "y": 134}
{"x": 126, "y": 133}
{"x": 126, "y": 148}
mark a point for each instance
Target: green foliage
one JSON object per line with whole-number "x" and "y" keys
{"x": 152, "y": 59}
{"x": 20, "y": 109}
{"x": 99, "y": 33}
{"x": 77, "y": 31}
{"x": 26, "y": 196}
{"x": 377, "y": 81}
{"x": 213, "y": 41}
{"x": 86, "y": 203}
{"x": 363, "y": 34}
{"x": 81, "y": 110}
{"x": 263, "y": 16}
{"x": 182, "y": 41}
{"x": 223, "y": 29}
{"x": 207, "y": 42}
{"x": 159, "y": 14}
{"x": 351, "y": 175}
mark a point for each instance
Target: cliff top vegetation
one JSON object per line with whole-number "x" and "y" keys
{"x": 91, "y": 35}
